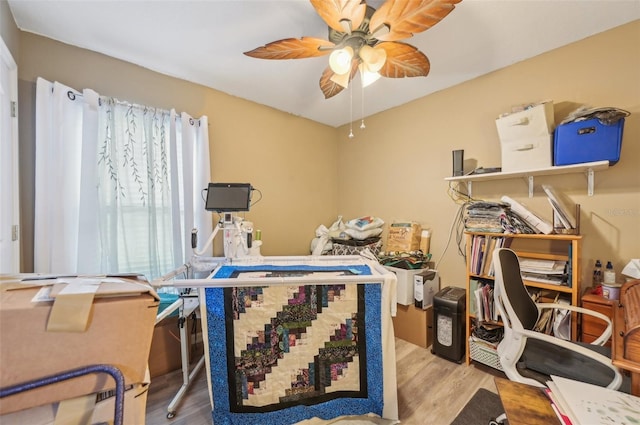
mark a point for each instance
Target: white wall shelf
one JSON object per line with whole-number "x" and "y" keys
{"x": 589, "y": 168}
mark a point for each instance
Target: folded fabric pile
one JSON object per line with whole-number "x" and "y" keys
{"x": 348, "y": 238}
{"x": 494, "y": 217}
{"x": 485, "y": 217}
{"x": 364, "y": 228}
{"x": 359, "y": 234}
{"x": 404, "y": 260}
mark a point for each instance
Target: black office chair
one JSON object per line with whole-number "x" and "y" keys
{"x": 532, "y": 357}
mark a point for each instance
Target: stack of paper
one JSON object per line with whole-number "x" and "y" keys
{"x": 546, "y": 271}
{"x": 578, "y": 403}
{"x": 540, "y": 225}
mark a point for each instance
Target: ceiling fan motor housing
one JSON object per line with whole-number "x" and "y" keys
{"x": 357, "y": 38}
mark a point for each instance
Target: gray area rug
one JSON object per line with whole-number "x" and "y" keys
{"x": 483, "y": 407}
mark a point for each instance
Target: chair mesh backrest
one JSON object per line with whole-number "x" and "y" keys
{"x": 516, "y": 293}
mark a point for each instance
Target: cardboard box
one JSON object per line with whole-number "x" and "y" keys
{"x": 405, "y": 284}
{"x": 404, "y": 237}
{"x": 526, "y": 138}
{"x": 587, "y": 141}
{"x": 414, "y": 325}
{"x": 116, "y": 330}
{"x": 165, "y": 355}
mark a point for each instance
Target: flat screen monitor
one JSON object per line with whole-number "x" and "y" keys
{"x": 228, "y": 197}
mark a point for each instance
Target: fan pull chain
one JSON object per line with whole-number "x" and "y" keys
{"x": 351, "y": 111}
{"x": 362, "y": 126}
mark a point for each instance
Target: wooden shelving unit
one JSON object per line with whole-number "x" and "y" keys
{"x": 547, "y": 247}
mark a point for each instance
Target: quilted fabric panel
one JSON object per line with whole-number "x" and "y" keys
{"x": 282, "y": 354}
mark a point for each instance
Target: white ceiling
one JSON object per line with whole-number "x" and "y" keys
{"x": 203, "y": 41}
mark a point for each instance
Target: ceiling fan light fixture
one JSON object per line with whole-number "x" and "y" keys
{"x": 374, "y": 58}
{"x": 340, "y": 60}
{"x": 371, "y": 37}
{"x": 341, "y": 79}
{"x": 366, "y": 76}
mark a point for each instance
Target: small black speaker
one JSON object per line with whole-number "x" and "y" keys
{"x": 458, "y": 162}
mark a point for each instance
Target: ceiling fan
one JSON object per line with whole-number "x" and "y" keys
{"x": 364, "y": 39}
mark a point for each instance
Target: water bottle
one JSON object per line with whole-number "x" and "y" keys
{"x": 597, "y": 274}
{"x": 609, "y": 274}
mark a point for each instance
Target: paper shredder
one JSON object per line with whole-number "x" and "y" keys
{"x": 449, "y": 305}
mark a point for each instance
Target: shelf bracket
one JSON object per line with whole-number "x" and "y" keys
{"x": 469, "y": 187}
{"x": 530, "y": 179}
{"x": 590, "y": 180}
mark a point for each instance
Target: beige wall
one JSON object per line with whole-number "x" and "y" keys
{"x": 395, "y": 169}
{"x": 8, "y": 29}
{"x": 408, "y": 149}
{"x": 291, "y": 160}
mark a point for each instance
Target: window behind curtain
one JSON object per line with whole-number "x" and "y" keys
{"x": 134, "y": 187}
{"x": 129, "y": 173}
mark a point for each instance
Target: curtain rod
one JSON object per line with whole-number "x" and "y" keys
{"x": 72, "y": 96}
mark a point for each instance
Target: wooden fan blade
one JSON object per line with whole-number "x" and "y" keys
{"x": 333, "y": 11}
{"x": 404, "y": 60}
{"x": 328, "y": 87}
{"x": 407, "y": 17}
{"x": 293, "y": 48}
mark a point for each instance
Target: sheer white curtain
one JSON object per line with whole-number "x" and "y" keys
{"x": 131, "y": 175}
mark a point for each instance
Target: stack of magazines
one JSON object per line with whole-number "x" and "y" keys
{"x": 579, "y": 403}
{"x": 545, "y": 271}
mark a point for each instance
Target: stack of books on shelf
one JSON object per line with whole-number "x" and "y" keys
{"x": 482, "y": 248}
{"x": 579, "y": 403}
{"x": 481, "y": 303}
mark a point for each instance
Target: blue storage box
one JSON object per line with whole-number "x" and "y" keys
{"x": 165, "y": 301}
{"x": 587, "y": 141}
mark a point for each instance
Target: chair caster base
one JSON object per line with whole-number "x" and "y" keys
{"x": 499, "y": 420}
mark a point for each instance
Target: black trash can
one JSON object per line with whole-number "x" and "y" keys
{"x": 449, "y": 306}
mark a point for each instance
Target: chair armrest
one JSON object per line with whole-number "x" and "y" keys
{"x": 605, "y": 334}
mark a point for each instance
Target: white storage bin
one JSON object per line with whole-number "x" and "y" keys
{"x": 527, "y": 154}
{"x": 527, "y": 124}
{"x": 526, "y": 138}
{"x": 484, "y": 354}
{"x": 405, "y": 284}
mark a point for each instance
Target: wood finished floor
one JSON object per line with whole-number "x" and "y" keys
{"x": 431, "y": 390}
